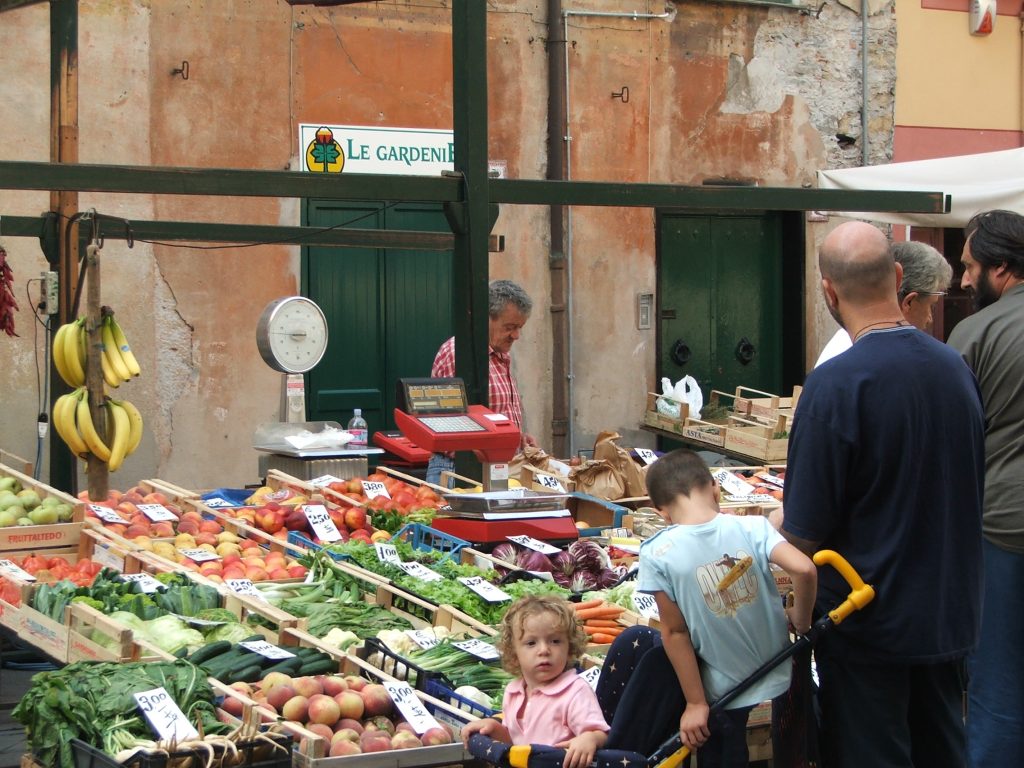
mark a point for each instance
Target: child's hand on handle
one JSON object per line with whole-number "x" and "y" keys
{"x": 488, "y": 727}
{"x": 693, "y": 725}
{"x": 579, "y": 751}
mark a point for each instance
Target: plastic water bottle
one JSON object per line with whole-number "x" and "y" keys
{"x": 358, "y": 429}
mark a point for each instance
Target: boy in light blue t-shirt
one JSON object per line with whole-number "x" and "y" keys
{"x": 720, "y": 610}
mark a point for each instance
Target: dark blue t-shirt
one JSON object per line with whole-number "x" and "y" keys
{"x": 886, "y": 466}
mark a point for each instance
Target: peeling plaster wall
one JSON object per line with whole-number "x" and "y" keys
{"x": 724, "y": 90}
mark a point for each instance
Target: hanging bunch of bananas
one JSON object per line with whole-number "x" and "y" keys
{"x": 74, "y": 424}
{"x": 69, "y": 351}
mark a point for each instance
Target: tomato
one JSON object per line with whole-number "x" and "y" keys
{"x": 33, "y": 563}
{"x": 54, "y": 562}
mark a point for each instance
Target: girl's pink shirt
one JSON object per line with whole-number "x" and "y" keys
{"x": 556, "y": 712}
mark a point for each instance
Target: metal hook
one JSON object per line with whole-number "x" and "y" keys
{"x": 182, "y": 70}
{"x": 623, "y": 95}
{"x": 94, "y": 227}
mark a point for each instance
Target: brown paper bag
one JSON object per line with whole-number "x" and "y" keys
{"x": 532, "y": 455}
{"x": 607, "y": 449}
{"x": 598, "y": 479}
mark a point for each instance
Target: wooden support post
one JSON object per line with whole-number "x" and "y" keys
{"x": 97, "y": 475}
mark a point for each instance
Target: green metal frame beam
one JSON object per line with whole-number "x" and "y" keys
{"x": 448, "y": 189}
{"x": 10, "y": 5}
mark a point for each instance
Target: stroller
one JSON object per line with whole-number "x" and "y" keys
{"x": 671, "y": 753}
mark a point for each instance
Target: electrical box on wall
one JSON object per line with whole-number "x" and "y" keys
{"x": 644, "y": 310}
{"x": 982, "y": 16}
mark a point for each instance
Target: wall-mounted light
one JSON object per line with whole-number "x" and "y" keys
{"x": 982, "y": 17}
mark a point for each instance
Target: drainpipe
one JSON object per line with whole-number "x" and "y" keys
{"x": 560, "y": 415}
{"x": 668, "y": 15}
{"x": 864, "y": 80}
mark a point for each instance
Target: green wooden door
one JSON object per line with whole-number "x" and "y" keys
{"x": 720, "y": 301}
{"x": 387, "y": 310}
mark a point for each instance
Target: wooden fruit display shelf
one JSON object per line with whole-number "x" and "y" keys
{"x": 24, "y": 538}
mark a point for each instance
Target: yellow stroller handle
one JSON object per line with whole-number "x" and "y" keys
{"x": 860, "y": 593}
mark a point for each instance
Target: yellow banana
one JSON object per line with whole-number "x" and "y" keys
{"x": 122, "y": 346}
{"x": 64, "y": 423}
{"x": 58, "y": 355}
{"x": 72, "y": 356}
{"x": 88, "y": 430}
{"x": 110, "y": 351}
{"x": 109, "y": 375}
{"x": 120, "y": 429}
{"x": 135, "y": 422}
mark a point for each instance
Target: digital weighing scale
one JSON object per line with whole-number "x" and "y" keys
{"x": 434, "y": 415}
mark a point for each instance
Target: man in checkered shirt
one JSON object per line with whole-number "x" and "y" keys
{"x": 508, "y": 308}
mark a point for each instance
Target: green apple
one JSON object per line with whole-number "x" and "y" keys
{"x": 43, "y": 515}
{"x": 9, "y": 484}
{"x": 25, "y": 521}
{"x": 7, "y": 518}
{"x": 51, "y": 501}
{"x": 30, "y": 497}
{"x": 13, "y": 503}
{"x": 65, "y": 512}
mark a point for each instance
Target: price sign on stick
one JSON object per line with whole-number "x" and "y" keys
{"x": 411, "y": 707}
{"x": 387, "y": 553}
{"x": 199, "y": 555}
{"x": 551, "y": 483}
{"x": 732, "y": 484}
{"x": 645, "y": 605}
{"x": 485, "y": 589}
{"x": 534, "y": 544}
{"x": 244, "y": 587}
{"x": 216, "y": 502}
{"x": 647, "y": 456}
{"x": 10, "y": 569}
{"x": 106, "y": 514}
{"x": 420, "y": 571}
{"x": 478, "y": 648}
{"x": 157, "y": 512}
{"x": 321, "y": 523}
{"x": 165, "y": 716}
{"x": 146, "y": 582}
{"x": 324, "y": 480}
{"x": 424, "y": 638}
{"x": 372, "y": 489}
{"x": 592, "y": 675}
{"x": 265, "y": 649}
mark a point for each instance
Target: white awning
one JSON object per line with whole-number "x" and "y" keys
{"x": 975, "y": 183}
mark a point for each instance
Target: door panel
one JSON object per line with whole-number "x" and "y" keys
{"x": 387, "y": 311}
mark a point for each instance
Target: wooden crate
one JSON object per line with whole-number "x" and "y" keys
{"x": 767, "y": 443}
{"x": 24, "y": 538}
{"x": 764, "y": 406}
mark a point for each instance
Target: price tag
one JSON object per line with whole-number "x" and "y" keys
{"x": 103, "y": 555}
{"x": 199, "y": 555}
{"x": 478, "y": 648}
{"x": 321, "y": 523}
{"x": 485, "y": 589}
{"x": 411, "y": 707}
{"x": 424, "y": 638}
{"x": 165, "y": 716}
{"x": 559, "y": 467}
{"x": 534, "y": 544}
{"x": 146, "y": 582}
{"x": 387, "y": 553}
{"x": 542, "y": 575}
{"x": 753, "y": 498}
{"x": 265, "y": 649}
{"x": 647, "y": 456}
{"x": 372, "y": 489}
{"x": 420, "y": 571}
{"x": 645, "y": 605}
{"x": 107, "y": 515}
{"x": 619, "y": 533}
{"x": 592, "y": 675}
{"x": 216, "y": 502}
{"x": 193, "y": 621}
{"x": 244, "y": 587}
{"x": 8, "y": 568}
{"x": 324, "y": 480}
{"x": 732, "y": 484}
{"x": 157, "y": 512}
{"x": 551, "y": 483}
{"x": 771, "y": 479}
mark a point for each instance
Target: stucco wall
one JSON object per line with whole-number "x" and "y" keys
{"x": 721, "y": 90}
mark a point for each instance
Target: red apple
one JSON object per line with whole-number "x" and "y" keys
{"x": 355, "y": 518}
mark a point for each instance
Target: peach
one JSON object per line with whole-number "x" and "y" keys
{"x": 405, "y": 740}
{"x": 435, "y": 736}
{"x": 380, "y": 723}
{"x": 351, "y": 704}
{"x": 343, "y": 747}
{"x": 163, "y": 530}
{"x": 296, "y": 571}
{"x": 248, "y": 544}
{"x": 355, "y": 683}
{"x": 348, "y": 722}
{"x": 188, "y": 526}
{"x": 233, "y": 706}
{"x": 295, "y": 708}
{"x": 375, "y": 741}
{"x": 278, "y": 695}
{"x": 404, "y": 726}
{"x": 321, "y": 730}
{"x": 333, "y": 684}
{"x": 256, "y": 574}
{"x": 274, "y": 680}
{"x": 233, "y": 572}
{"x": 155, "y": 498}
{"x": 205, "y": 538}
{"x": 324, "y": 710}
{"x": 307, "y": 686}
{"x": 376, "y": 700}
{"x": 279, "y": 574}
{"x": 192, "y": 515}
{"x": 211, "y": 526}
{"x": 243, "y": 688}
{"x": 135, "y": 531}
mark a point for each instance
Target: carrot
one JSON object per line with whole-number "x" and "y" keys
{"x": 601, "y": 623}
{"x": 609, "y": 612}
{"x": 602, "y": 631}
{"x": 588, "y": 604}
{"x": 601, "y": 639}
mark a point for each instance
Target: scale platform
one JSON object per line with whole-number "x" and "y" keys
{"x": 308, "y": 463}
{"x": 491, "y": 516}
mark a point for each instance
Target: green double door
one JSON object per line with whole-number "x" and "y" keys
{"x": 721, "y": 301}
{"x": 387, "y": 310}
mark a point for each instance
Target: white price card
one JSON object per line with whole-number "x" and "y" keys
{"x": 732, "y": 484}
{"x": 753, "y": 498}
{"x": 387, "y": 553}
{"x": 551, "y": 483}
{"x": 106, "y": 514}
{"x": 647, "y": 456}
{"x": 411, "y": 707}
{"x": 592, "y": 675}
{"x": 157, "y": 512}
{"x": 321, "y": 523}
{"x": 244, "y": 587}
{"x": 645, "y": 605}
{"x": 478, "y": 648}
{"x": 424, "y": 638}
{"x": 535, "y": 544}
{"x": 8, "y": 568}
{"x": 373, "y": 489}
{"x": 165, "y": 716}
{"x": 559, "y": 467}
{"x": 485, "y": 589}
{"x": 199, "y": 555}
{"x": 420, "y": 571}
{"x": 216, "y": 502}
{"x": 324, "y": 480}
{"x": 265, "y": 649}
{"x": 146, "y": 583}
{"x": 771, "y": 479}
{"x": 103, "y": 555}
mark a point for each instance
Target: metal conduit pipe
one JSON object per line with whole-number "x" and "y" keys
{"x": 864, "y": 81}
{"x": 668, "y": 16}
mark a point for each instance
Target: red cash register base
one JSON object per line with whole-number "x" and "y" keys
{"x": 497, "y": 442}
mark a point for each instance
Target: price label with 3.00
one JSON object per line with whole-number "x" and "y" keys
{"x": 411, "y": 707}
{"x": 165, "y": 716}
{"x": 321, "y": 523}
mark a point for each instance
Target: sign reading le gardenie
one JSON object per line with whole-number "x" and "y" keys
{"x": 396, "y": 151}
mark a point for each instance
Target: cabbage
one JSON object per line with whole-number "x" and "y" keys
{"x": 234, "y": 632}
{"x": 589, "y": 556}
{"x": 169, "y": 633}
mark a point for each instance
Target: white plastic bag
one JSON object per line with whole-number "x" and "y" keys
{"x": 686, "y": 390}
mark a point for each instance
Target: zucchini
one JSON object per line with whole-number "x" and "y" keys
{"x": 250, "y": 674}
{"x": 211, "y": 650}
{"x": 320, "y": 667}
{"x": 288, "y": 666}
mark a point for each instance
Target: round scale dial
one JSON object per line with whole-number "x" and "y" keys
{"x": 292, "y": 334}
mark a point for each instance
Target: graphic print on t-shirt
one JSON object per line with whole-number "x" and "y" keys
{"x": 727, "y": 584}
